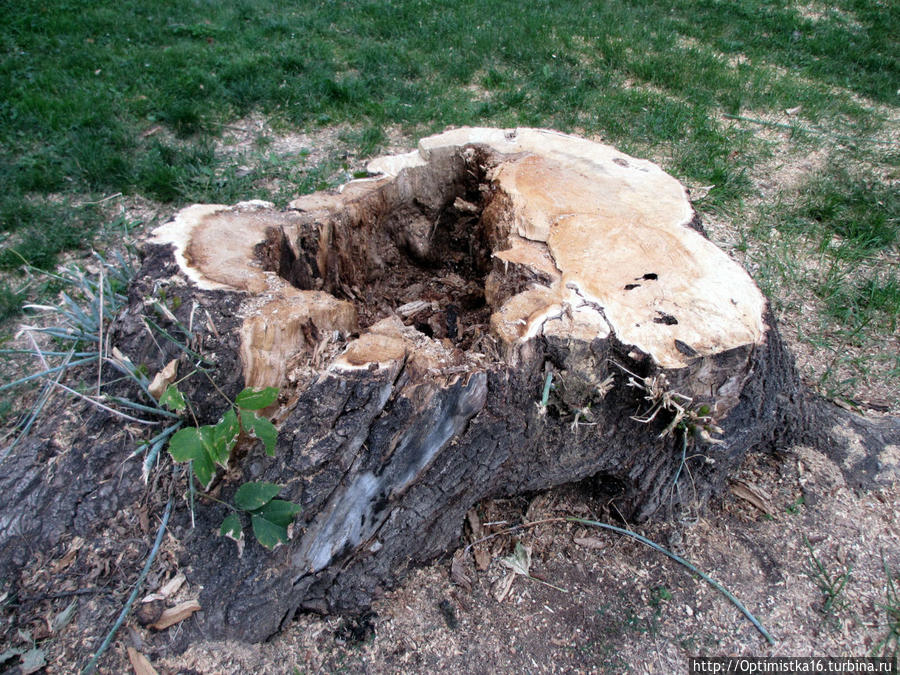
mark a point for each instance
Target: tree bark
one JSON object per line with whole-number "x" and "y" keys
{"x": 495, "y": 313}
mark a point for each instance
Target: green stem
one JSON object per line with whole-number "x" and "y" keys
{"x": 677, "y": 558}
{"x": 92, "y": 664}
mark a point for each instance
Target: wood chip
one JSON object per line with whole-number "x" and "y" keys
{"x": 475, "y": 524}
{"x": 168, "y": 590}
{"x": 753, "y": 495}
{"x": 171, "y": 588}
{"x": 140, "y": 663}
{"x": 458, "y": 571}
{"x": 482, "y": 558}
{"x": 503, "y": 586}
{"x": 176, "y": 614}
{"x": 411, "y": 308}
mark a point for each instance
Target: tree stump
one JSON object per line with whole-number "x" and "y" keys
{"x": 497, "y": 312}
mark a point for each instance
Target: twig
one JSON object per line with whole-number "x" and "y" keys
{"x": 796, "y": 127}
{"x": 514, "y": 528}
{"x": 677, "y": 558}
{"x": 92, "y": 664}
{"x": 32, "y": 599}
{"x": 100, "y": 336}
{"x": 101, "y": 201}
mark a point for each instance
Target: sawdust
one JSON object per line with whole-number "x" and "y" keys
{"x": 624, "y": 606}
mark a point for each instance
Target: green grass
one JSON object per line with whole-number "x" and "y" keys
{"x": 889, "y": 644}
{"x": 135, "y": 97}
{"x": 831, "y": 585}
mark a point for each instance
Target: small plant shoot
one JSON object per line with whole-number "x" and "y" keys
{"x": 211, "y": 445}
{"x": 269, "y": 517}
{"x": 208, "y": 446}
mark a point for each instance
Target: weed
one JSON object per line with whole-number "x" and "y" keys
{"x": 794, "y": 507}
{"x": 831, "y": 586}
{"x": 851, "y": 214}
{"x": 78, "y": 323}
{"x": 658, "y": 596}
{"x": 208, "y": 446}
{"x": 888, "y": 645}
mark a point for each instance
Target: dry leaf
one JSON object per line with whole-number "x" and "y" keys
{"x": 62, "y": 619}
{"x": 458, "y": 571}
{"x": 140, "y": 663}
{"x": 752, "y": 495}
{"x": 176, "y": 614}
{"x": 590, "y": 542}
{"x": 163, "y": 379}
{"x": 482, "y": 558}
{"x": 69, "y": 557}
{"x": 536, "y": 507}
{"x": 168, "y": 590}
{"x": 503, "y": 586}
{"x": 520, "y": 560}
{"x": 32, "y": 661}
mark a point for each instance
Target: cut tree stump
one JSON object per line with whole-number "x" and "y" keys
{"x": 497, "y": 312}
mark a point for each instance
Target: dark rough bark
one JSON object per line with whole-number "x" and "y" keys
{"x": 385, "y": 461}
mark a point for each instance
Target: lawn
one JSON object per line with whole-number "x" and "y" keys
{"x": 780, "y": 117}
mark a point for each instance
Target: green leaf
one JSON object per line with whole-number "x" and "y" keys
{"x": 204, "y": 469}
{"x": 173, "y": 399}
{"x": 262, "y": 429}
{"x": 228, "y": 428}
{"x": 256, "y": 400}
{"x": 252, "y": 496}
{"x": 215, "y": 453}
{"x": 267, "y": 533}
{"x": 186, "y": 445}
{"x": 279, "y": 511}
{"x": 224, "y": 436}
{"x": 231, "y": 527}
